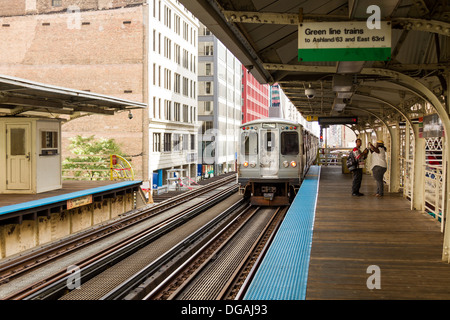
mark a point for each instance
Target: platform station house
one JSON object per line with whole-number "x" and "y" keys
{"x": 36, "y": 206}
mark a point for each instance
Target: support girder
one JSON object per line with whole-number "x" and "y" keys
{"x": 434, "y": 26}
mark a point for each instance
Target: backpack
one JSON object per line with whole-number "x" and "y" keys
{"x": 352, "y": 163}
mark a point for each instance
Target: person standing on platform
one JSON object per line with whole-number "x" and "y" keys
{"x": 379, "y": 165}
{"x": 358, "y": 172}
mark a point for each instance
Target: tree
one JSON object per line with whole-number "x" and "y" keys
{"x": 91, "y": 160}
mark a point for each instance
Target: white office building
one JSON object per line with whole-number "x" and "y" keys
{"x": 219, "y": 105}
{"x": 172, "y": 83}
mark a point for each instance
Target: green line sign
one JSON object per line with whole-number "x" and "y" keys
{"x": 343, "y": 41}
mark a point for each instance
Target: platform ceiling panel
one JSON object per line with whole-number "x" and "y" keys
{"x": 263, "y": 35}
{"x": 21, "y": 97}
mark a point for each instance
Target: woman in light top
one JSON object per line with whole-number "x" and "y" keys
{"x": 379, "y": 165}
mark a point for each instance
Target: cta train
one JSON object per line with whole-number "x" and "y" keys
{"x": 274, "y": 157}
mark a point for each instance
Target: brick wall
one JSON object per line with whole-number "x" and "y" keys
{"x": 102, "y": 54}
{"x": 12, "y": 7}
{"x": 23, "y": 7}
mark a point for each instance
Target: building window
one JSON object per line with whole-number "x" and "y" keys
{"x": 185, "y": 142}
{"x": 177, "y": 83}
{"x": 185, "y": 113}
{"x": 49, "y": 142}
{"x": 206, "y": 126}
{"x": 176, "y": 142}
{"x": 157, "y": 142}
{"x": 167, "y": 48}
{"x": 177, "y": 54}
{"x": 159, "y": 76}
{"x": 167, "y": 79}
{"x": 208, "y": 69}
{"x": 177, "y": 24}
{"x": 159, "y": 43}
{"x": 167, "y": 17}
{"x": 207, "y": 49}
{"x": 192, "y": 142}
{"x": 204, "y": 31}
{"x": 208, "y": 106}
{"x": 185, "y": 31}
{"x": 177, "y": 111}
{"x": 168, "y": 109}
{"x": 185, "y": 86}
{"x": 167, "y": 142}
{"x": 185, "y": 59}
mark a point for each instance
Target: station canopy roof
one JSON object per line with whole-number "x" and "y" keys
{"x": 264, "y": 36}
{"x": 20, "y": 97}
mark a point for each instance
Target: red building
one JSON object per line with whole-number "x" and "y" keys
{"x": 255, "y": 98}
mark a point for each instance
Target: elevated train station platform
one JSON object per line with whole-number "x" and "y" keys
{"x": 350, "y": 235}
{"x": 31, "y": 220}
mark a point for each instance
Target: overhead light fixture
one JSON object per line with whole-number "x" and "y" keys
{"x": 338, "y": 104}
{"x": 342, "y": 83}
{"x": 344, "y": 95}
{"x": 350, "y": 66}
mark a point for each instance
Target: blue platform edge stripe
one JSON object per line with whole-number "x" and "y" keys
{"x": 283, "y": 273}
{"x": 64, "y": 197}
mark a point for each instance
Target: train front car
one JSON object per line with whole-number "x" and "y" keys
{"x": 270, "y": 161}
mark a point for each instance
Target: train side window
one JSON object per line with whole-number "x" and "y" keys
{"x": 289, "y": 143}
{"x": 250, "y": 143}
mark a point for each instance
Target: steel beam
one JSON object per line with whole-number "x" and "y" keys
{"x": 433, "y": 26}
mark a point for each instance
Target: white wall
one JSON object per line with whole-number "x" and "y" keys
{"x": 48, "y": 167}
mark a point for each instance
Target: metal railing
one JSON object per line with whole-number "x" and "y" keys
{"x": 332, "y": 156}
{"x": 433, "y": 195}
{"x": 97, "y": 167}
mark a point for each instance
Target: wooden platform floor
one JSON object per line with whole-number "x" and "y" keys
{"x": 353, "y": 233}
{"x": 67, "y": 187}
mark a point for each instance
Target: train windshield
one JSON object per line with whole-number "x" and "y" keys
{"x": 249, "y": 144}
{"x": 289, "y": 143}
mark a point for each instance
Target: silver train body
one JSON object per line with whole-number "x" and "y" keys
{"x": 273, "y": 158}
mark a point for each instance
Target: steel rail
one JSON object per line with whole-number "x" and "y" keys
{"x": 30, "y": 261}
{"x": 159, "y": 289}
{"x": 239, "y": 284}
{"x": 122, "y": 290}
{"x": 94, "y": 264}
{"x": 186, "y": 273}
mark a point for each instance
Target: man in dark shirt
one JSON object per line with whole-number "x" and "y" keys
{"x": 358, "y": 172}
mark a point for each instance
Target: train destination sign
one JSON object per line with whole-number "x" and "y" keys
{"x": 337, "y": 120}
{"x": 343, "y": 41}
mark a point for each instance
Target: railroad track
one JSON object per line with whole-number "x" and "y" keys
{"x": 222, "y": 268}
{"x": 15, "y": 267}
{"x": 113, "y": 252}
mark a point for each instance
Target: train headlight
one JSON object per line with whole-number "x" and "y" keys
{"x": 246, "y": 164}
{"x": 253, "y": 164}
{"x": 293, "y": 164}
{"x": 286, "y": 164}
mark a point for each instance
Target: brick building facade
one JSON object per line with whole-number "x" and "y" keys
{"x": 107, "y": 47}
{"x": 255, "y": 98}
{"x": 86, "y": 49}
